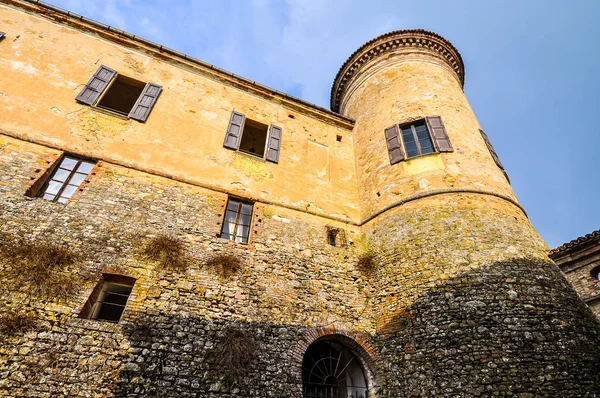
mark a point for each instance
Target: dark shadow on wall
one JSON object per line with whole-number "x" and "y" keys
{"x": 511, "y": 328}
{"x": 175, "y": 356}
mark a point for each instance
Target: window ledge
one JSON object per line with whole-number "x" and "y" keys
{"x": 109, "y": 112}
{"x": 422, "y": 156}
{"x": 93, "y": 324}
{"x": 251, "y": 156}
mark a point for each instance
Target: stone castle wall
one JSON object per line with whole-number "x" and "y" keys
{"x": 292, "y": 282}
{"x": 459, "y": 298}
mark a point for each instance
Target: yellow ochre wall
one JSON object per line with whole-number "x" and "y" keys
{"x": 406, "y": 85}
{"x": 183, "y": 137}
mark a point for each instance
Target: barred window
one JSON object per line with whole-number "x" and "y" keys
{"x": 65, "y": 179}
{"x": 109, "y": 298}
{"x": 236, "y": 225}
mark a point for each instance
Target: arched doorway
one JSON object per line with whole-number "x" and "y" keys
{"x": 331, "y": 370}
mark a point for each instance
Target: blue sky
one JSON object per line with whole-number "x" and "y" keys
{"x": 532, "y": 72}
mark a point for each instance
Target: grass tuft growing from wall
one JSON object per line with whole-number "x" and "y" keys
{"x": 235, "y": 352}
{"x": 14, "y": 322}
{"x": 225, "y": 264}
{"x": 169, "y": 251}
{"x": 39, "y": 268}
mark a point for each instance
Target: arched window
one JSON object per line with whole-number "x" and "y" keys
{"x": 331, "y": 370}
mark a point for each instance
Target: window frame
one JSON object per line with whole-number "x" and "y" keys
{"x": 595, "y": 273}
{"x": 267, "y": 137}
{"x": 237, "y": 222}
{"x": 98, "y": 293}
{"x": 413, "y": 130}
{"x": 107, "y": 89}
{"x": 99, "y": 85}
{"x": 49, "y": 177}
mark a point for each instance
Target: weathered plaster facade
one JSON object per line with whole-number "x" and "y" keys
{"x": 462, "y": 299}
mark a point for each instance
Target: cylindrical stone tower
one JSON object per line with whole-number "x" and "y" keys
{"x": 468, "y": 303}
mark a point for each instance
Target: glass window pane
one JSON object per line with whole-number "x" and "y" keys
{"x": 245, "y": 219}
{"x": 230, "y": 216}
{"x": 85, "y": 167}
{"x": 408, "y": 137}
{"x": 411, "y": 146}
{"x": 422, "y": 133}
{"x": 246, "y": 209}
{"x": 233, "y": 205}
{"x": 53, "y": 187}
{"x": 425, "y": 142}
{"x": 77, "y": 179}
{"x": 47, "y": 196}
{"x": 61, "y": 175}
{"x": 228, "y": 228}
{"x": 68, "y": 163}
{"x": 410, "y": 154}
{"x": 62, "y": 200}
{"x": 243, "y": 231}
{"x": 427, "y": 150}
{"x": 69, "y": 191}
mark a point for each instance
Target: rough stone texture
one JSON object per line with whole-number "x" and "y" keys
{"x": 461, "y": 299}
{"x": 580, "y": 261}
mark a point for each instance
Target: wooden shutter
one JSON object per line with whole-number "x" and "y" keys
{"x": 274, "y": 144}
{"x": 143, "y": 106}
{"x": 438, "y": 134}
{"x": 97, "y": 84}
{"x": 234, "y": 131}
{"x": 491, "y": 149}
{"x": 392, "y": 138}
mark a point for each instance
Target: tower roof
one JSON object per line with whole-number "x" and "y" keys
{"x": 388, "y": 42}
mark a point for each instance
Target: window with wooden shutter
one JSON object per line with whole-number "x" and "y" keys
{"x": 416, "y": 138}
{"x": 392, "y": 138}
{"x": 274, "y": 144}
{"x": 438, "y": 133}
{"x": 120, "y": 94}
{"x": 141, "y": 110}
{"x": 492, "y": 151}
{"x": 234, "y": 130}
{"x": 96, "y": 86}
{"x": 253, "y": 138}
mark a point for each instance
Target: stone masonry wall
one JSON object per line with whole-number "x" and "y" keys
{"x": 292, "y": 282}
{"x": 468, "y": 304}
{"x": 577, "y": 263}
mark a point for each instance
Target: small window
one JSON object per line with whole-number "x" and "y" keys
{"x": 416, "y": 139}
{"x": 2, "y": 35}
{"x": 596, "y": 273}
{"x": 65, "y": 179}
{"x": 331, "y": 234}
{"x": 336, "y": 237}
{"x": 121, "y": 95}
{"x": 254, "y": 138}
{"x": 236, "y": 225}
{"x": 109, "y": 299}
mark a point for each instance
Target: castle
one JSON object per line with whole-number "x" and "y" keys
{"x": 169, "y": 229}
